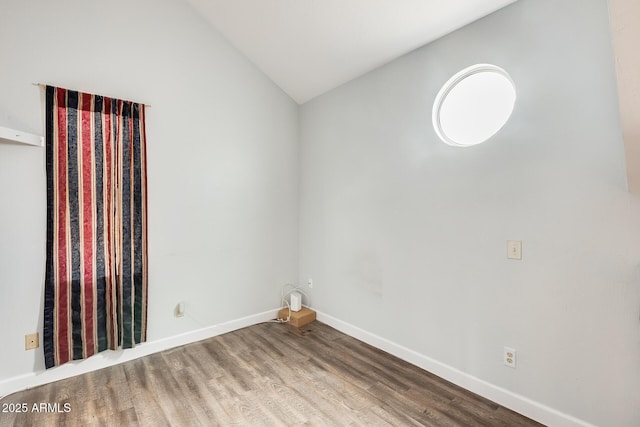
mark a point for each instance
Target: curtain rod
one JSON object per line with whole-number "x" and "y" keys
{"x": 42, "y": 85}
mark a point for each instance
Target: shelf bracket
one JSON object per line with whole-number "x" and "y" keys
{"x": 21, "y": 137}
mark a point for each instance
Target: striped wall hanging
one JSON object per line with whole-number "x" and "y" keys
{"x": 96, "y": 268}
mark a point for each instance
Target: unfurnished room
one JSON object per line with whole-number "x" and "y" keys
{"x": 320, "y": 212}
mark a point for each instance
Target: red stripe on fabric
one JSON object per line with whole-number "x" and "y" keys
{"x": 63, "y": 275}
{"x": 88, "y": 221}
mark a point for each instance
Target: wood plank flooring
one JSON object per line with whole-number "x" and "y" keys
{"x": 264, "y": 375}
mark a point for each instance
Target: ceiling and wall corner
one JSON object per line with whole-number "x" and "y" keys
{"x": 308, "y": 47}
{"x": 625, "y": 34}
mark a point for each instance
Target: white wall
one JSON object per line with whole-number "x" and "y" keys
{"x": 222, "y": 160}
{"x": 405, "y": 237}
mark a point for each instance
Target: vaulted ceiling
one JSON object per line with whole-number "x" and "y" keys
{"x": 308, "y": 47}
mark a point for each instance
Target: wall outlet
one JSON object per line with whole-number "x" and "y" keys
{"x": 509, "y": 357}
{"x": 31, "y": 341}
{"x": 179, "y": 310}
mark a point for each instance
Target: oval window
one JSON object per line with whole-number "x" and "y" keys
{"x": 473, "y": 105}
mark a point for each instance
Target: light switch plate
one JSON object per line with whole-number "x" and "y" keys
{"x": 514, "y": 249}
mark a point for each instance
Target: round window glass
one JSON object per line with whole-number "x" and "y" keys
{"x": 473, "y": 105}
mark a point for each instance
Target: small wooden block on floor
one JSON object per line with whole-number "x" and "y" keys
{"x": 298, "y": 318}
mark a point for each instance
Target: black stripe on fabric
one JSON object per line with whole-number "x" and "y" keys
{"x": 100, "y": 272}
{"x": 48, "y": 333}
{"x": 138, "y": 211}
{"x": 127, "y": 321}
{"x": 74, "y": 219}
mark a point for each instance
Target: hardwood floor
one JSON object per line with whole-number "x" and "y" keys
{"x": 267, "y": 374}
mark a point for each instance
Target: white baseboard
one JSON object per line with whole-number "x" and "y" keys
{"x": 506, "y": 398}
{"x": 525, "y": 406}
{"x": 110, "y": 358}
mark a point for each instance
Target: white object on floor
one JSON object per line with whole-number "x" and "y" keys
{"x": 296, "y": 301}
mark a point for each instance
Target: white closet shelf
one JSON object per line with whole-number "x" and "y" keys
{"x": 21, "y": 137}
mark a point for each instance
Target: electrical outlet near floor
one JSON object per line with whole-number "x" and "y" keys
{"x": 509, "y": 357}
{"x": 179, "y": 310}
{"x": 31, "y": 341}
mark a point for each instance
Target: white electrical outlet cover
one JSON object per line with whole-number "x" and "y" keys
{"x": 179, "y": 311}
{"x": 509, "y": 357}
